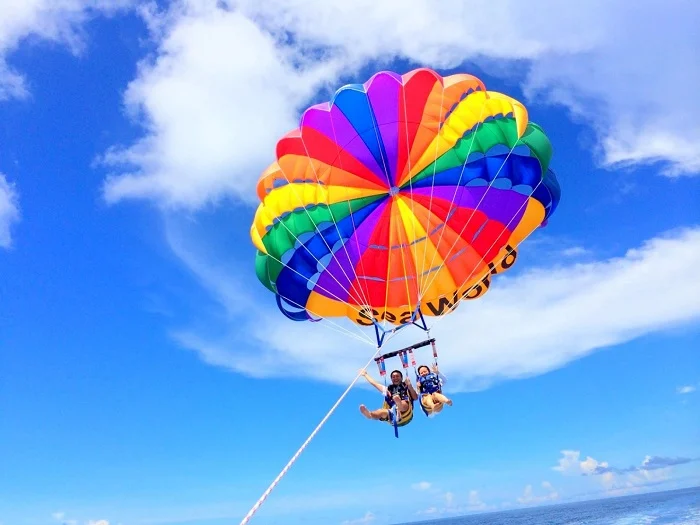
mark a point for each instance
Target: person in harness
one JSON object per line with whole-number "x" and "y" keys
{"x": 430, "y": 387}
{"x": 400, "y": 394}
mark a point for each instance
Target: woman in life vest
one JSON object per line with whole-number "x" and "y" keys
{"x": 430, "y": 387}
{"x": 399, "y": 393}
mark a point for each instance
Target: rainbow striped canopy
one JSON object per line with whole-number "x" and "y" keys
{"x": 401, "y": 195}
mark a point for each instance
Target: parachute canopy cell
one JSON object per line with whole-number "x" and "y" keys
{"x": 407, "y": 191}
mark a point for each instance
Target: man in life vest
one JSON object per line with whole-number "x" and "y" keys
{"x": 430, "y": 387}
{"x": 400, "y": 394}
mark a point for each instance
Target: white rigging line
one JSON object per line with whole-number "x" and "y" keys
{"x": 286, "y": 468}
{"x": 476, "y": 208}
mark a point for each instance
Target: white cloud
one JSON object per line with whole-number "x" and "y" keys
{"x": 570, "y": 463}
{"x": 575, "y": 251}
{"x": 618, "y": 481}
{"x": 367, "y": 518}
{"x": 9, "y": 211}
{"x": 422, "y": 485}
{"x": 58, "y": 515}
{"x": 98, "y": 522}
{"x": 552, "y": 316}
{"x": 44, "y": 20}
{"x": 212, "y": 109}
{"x": 529, "y": 497}
{"x": 474, "y": 502}
{"x": 685, "y": 389}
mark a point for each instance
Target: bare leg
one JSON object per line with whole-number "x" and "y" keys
{"x": 441, "y": 398}
{"x": 428, "y": 402}
{"x": 380, "y": 413}
{"x": 401, "y": 406}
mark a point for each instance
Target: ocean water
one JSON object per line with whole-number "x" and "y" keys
{"x": 677, "y": 507}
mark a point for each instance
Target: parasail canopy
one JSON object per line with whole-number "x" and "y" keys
{"x": 400, "y": 198}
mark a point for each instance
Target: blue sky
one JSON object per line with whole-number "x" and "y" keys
{"x": 143, "y": 367}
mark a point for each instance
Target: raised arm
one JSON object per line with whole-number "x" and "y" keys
{"x": 442, "y": 377}
{"x": 372, "y": 382}
{"x": 411, "y": 390}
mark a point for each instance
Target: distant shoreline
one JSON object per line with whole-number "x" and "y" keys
{"x": 572, "y": 503}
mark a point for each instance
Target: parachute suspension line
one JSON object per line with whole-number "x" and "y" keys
{"x": 399, "y": 228}
{"x": 393, "y": 223}
{"x": 365, "y": 291}
{"x": 332, "y": 325}
{"x": 476, "y": 208}
{"x": 318, "y": 262}
{"x": 421, "y": 289}
{"x": 426, "y": 274}
{"x": 286, "y": 468}
{"x": 363, "y": 338}
{"x": 337, "y": 229}
{"x": 330, "y": 250}
{"x": 451, "y": 308}
{"x": 414, "y": 220}
{"x": 386, "y": 277}
{"x": 450, "y": 209}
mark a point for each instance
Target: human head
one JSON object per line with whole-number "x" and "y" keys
{"x": 423, "y": 370}
{"x": 396, "y": 376}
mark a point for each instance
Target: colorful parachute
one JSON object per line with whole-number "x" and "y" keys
{"x": 399, "y": 198}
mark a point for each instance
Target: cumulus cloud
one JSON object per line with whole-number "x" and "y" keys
{"x": 212, "y": 109}
{"x": 9, "y": 211}
{"x": 570, "y": 463}
{"x": 649, "y": 463}
{"x": 60, "y": 516}
{"x": 530, "y": 498}
{"x": 455, "y": 504}
{"x": 44, "y": 20}
{"x": 474, "y": 502}
{"x": 422, "y": 485}
{"x": 587, "y": 306}
{"x": 213, "y": 100}
{"x": 620, "y": 481}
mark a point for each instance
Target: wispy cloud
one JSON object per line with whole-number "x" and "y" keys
{"x": 575, "y": 251}
{"x": 367, "y": 518}
{"x": 688, "y": 389}
{"x": 530, "y": 498}
{"x": 61, "y": 517}
{"x": 421, "y": 485}
{"x": 474, "y": 502}
{"x": 553, "y": 316}
{"x": 619, "y": 481}
{"x": 45, "y": 20}
{"x": 209, "y": 133}
{"x": 649, "y": 463}
{"x": 9, "y": 210}
{"x": 456, "y": 504}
